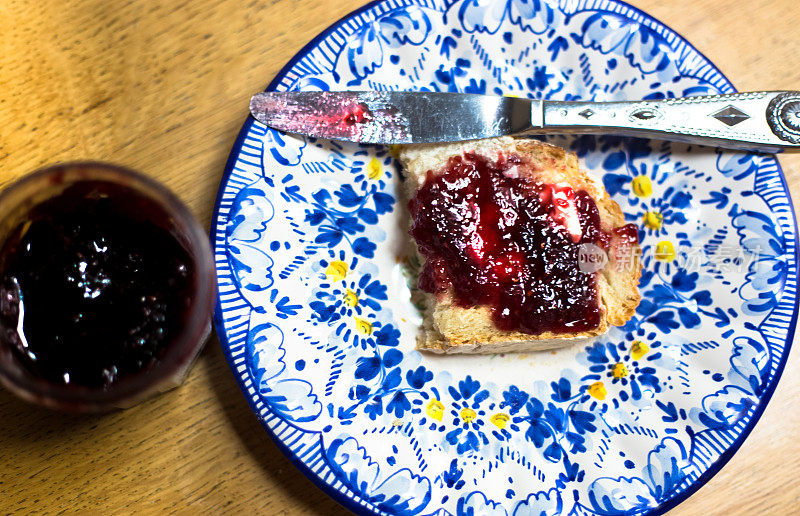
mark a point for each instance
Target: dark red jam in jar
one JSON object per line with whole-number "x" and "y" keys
{"x": 92, "y": 289}
{"x": 98, "y": 286}
{"x": 494, "y": 238}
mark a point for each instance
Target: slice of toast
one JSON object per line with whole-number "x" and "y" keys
{"x": 449, "y": 328}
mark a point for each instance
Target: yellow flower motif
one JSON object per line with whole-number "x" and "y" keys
{"x": 374, "y": 169}
{"x": 336, "y": 270}
{"x": 665, "y": 251}
{"x": 639, "y": 349}
{"x": 642, "y": 186}
{"x": 653, "y": 219}
{"x": 351, "y": 298}
{"x": 363, "y": 325}
{"x": 435, "y": 409}
{"x": 598, "y": 390}
{"x": 468, "y": 415}
{"x": 619, "y": 370}
{"x": 499, "y": 420}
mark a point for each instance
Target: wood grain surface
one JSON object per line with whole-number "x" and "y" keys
{"x": 163, "y": 87}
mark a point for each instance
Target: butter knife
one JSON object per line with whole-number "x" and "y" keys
{"x": 767, "y": 121}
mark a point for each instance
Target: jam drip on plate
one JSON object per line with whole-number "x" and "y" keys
{"x": 494, "y": 238}
{"x": 91, "y": 287}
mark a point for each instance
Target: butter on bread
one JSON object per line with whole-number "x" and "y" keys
{"x": 449, "y": 328}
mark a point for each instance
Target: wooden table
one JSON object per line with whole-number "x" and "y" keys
{"x": 163, "y": 87}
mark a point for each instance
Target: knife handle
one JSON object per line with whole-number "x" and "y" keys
{"x": 762, "y": 121}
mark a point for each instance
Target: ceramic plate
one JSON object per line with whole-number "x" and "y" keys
{"x": 316, "y": 312}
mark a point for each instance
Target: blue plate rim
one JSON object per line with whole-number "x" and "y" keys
{"x": 351, "y": 503}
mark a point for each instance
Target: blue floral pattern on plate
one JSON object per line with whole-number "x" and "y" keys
{"x": 316, "y": 315}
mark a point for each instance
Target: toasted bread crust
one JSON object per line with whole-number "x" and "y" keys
{"x": 448, "y": 328}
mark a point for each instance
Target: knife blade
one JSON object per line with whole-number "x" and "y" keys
{"x": 766, "y": 121}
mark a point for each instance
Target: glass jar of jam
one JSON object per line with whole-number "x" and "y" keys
{"x": 106, "y": 287}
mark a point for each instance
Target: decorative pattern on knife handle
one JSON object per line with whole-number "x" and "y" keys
{"x": 783, "y": 116}
{"x": 753, "y": 121}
